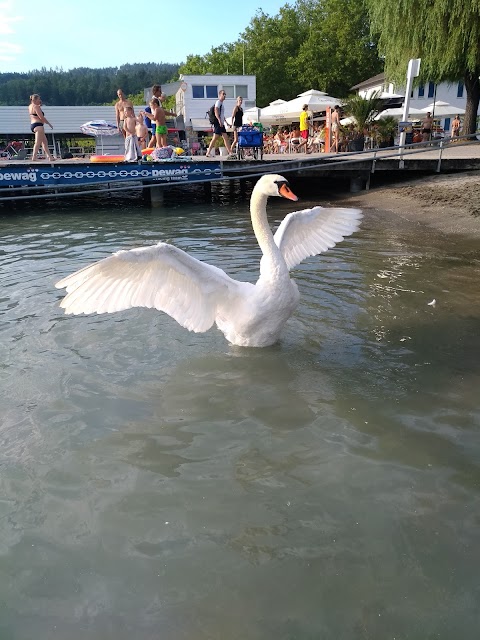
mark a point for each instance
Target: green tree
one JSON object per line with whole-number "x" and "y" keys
{"x": 264, "y": 49}
{"x": 82, "y": 86}
{"x": 194, "y": 65}
{"x": 270, "y": 44}
{"x": 338, "y": 50}
{"x": 219, "y": 60}
{"x": 322, "y": 44}
{"x": 445, "y": 34}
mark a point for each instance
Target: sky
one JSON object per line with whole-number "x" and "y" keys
{"x": 108, "y": 33}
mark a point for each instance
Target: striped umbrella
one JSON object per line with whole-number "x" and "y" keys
{"x": 99, "y": 128}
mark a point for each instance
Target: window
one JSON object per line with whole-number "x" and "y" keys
{"x": 446, "y": 124}
{"x": 431, "y": 89}
{"x": 211, "y": 91}
{"x": 197, "y": 91}
{"x": 421, "y": 91}
{"x": 201, "y": 91}
{"x": 234, "y": 91}
{"x": 241, "y": 90}
{"x": 460, "y": 90}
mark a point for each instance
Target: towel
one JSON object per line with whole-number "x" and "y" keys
{"x": 132, "y": 149}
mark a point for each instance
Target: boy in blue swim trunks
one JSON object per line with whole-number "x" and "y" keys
{"x": 156, "y": 93}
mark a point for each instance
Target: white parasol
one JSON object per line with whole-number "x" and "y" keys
{"x": 279, "y": 111}
{"x": 397, "y": 112}
{"x": 99, "y": 128}
{"x": 441, "y": 108}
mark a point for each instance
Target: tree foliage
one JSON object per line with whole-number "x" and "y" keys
{"x": 270, "y": 44}
{"x": 83, "y": 86}
{"x": 337, "y": 51}
{"x": 314, "y": 44}
{"x": 445, "y": 34}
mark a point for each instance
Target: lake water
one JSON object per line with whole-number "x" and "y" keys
{"x": 162, "y": 484}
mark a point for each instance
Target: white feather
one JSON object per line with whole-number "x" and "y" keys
{"x": 312, "y": 231}
{"x": 154, "y": 277}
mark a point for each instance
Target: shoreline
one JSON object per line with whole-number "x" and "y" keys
{"x": 448, "y": 203}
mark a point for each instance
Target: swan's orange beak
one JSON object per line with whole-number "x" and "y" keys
{"x": 286, "y": 192}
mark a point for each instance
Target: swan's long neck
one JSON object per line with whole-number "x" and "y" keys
{"x": 272, "y": 260}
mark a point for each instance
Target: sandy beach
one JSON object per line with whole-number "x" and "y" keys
{"x": 449, "y": 203}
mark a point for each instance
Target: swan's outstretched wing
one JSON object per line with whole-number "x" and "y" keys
{"x": 161, "y": 277}
{"x": 313, "y": 231}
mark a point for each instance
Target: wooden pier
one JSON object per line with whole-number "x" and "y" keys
{"x": 20, "y": 180}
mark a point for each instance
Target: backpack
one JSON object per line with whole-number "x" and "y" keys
{"x": 212, "y": 118}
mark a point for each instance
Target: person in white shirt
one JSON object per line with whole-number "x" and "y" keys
{"x": 219, "y": 126}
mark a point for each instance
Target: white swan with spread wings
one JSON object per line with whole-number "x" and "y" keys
{"x": 198, "y": 295}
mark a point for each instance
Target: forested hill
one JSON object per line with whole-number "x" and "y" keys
{"x": 83, "y": 86}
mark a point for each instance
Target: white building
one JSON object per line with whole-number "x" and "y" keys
{"x": 196, "y": 94}
{"x": 422, "y": 95}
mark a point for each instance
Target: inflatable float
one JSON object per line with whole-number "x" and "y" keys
{"x": 107, "y": 158}
{"x": 145, "y": 152}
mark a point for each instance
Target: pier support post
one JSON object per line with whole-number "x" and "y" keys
{"x": 207, "y": 190}
{"x": 156, "y": 196}
{"x": 357, "y": 183}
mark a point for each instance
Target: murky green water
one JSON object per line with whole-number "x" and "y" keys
{"x": 160, "y": 484}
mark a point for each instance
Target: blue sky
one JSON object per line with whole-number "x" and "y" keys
{"x": 108, "y": 33}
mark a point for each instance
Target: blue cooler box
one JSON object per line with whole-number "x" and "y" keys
{"x": 250, "y": 137}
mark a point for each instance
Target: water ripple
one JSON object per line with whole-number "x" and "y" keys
{"x": 151, "y": 476}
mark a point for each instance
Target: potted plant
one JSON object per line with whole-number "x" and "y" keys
{"x": 386, "y": 128}
{"x": 220, "y": 145}
{"x": 362, "y": 112}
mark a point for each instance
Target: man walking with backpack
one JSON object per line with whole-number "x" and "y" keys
{"x": 219, "y": 124}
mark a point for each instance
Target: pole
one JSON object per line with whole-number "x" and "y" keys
{"x": 412, "y": 72}
{"x": 243, "y": 59}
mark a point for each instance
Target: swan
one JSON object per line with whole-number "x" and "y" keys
{"x": 198, "y": 295}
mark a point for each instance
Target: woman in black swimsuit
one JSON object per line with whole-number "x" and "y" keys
{"x": 37, "y": 126}
{"x": 237, "y": 120}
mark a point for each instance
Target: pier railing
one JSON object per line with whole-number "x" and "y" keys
{"x": 395, "y": 152}
{"x": 368, "y": 158}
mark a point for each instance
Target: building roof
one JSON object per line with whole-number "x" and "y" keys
{"x": 371, "y": 82}
{"x": 65, "y": 120}
{"x": 169, "y": 89}
{"x": 215, "y": 77}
